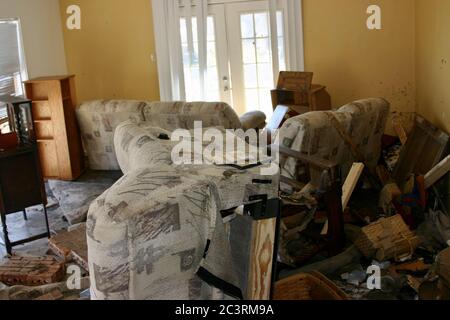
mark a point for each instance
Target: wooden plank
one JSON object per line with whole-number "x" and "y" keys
{"x": 435, "y": 174}
{"x": 311, "y": 160}
{"x": 348, "y": 189}
{"x": 261, "y": 259}
{"x": 425, "y": 148}
{"x": 399, "y": 129}
{"x": 291, "y": 182}
{"x": 351, "y": 182}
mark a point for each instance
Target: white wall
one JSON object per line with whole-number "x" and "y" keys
{"x": 42, "y": 34}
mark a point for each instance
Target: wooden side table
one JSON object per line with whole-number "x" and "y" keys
{"x": 21, "y": 187}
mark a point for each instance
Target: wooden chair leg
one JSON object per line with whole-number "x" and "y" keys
{"x": 336, "y": 234}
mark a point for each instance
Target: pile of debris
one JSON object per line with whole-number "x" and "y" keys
{"x": 61, "y": 275}
{"x": 397, "y": 228}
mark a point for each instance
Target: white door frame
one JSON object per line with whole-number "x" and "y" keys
{"x": 235, "y": 44}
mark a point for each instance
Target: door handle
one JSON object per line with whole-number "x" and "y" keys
{"x": 226, "y": 86}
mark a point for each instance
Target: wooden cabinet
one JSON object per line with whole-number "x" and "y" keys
{"x": 57, "y": 133}
{"x": 21, "y": 187}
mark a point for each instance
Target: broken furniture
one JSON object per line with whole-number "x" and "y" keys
{"x": 315, "y": 159}
{"x": 99, "y": 119}
{"x": 57, "y": 133}
{"x": 424, "y": 149}
{"x": 314, "y": 134}
{"x": 418, "y": 173}
{"x": 31, "y": 271}
{"x": 388, "y": 238}
{"x": 330, "y": 193}
{"x": 295, "y": 90}
{"x": 437, "y": 172}
{"x": 307, "y": 286}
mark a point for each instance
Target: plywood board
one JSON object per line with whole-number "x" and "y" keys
{"x": 351, "y": 182}
{"x": 425, "y": 148}
{"x": 437, "y": 172}
{"x": 261, "y": 259}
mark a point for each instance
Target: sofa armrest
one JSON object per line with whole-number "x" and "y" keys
{"x": 253, "y": 120}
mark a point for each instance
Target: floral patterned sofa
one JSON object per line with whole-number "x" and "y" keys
{"x": 316, "y": 134}
{"x": 99, "y": 119}
{"x": 158, "y": 233}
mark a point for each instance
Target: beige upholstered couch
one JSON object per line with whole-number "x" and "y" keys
{"x": 317, "y": 134}
{"x": 158, "y": 233}
{"x": 99, "y": 119}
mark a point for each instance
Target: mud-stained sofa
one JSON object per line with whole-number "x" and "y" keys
{"x": 159, "y": 233}
{"x": 99, "y": 119}
{"x": 317, "y": 134}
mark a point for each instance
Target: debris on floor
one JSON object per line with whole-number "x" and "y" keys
{"x": 31, "y": 271}
{"x": 397, "y": 233}
{"x": 38, "y": 270}
{"x": 54, "y": 291}
{"x": 386, "y": 239}
{"x": 308, "y": 286}
{"x": 71, "y": 246}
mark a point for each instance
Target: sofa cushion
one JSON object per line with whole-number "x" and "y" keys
{"x": 253, "y": 120}
{"x": 181, "y": 115}
{"x": 140, "y": 145}
{"x": 97, "y": 121}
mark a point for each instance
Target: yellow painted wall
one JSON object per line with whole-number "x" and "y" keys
{"x": 433, "y": 61}
{"x": 41, "y": 34}
{"x": 111, "y": 54}
{"x": 354, "y": 62}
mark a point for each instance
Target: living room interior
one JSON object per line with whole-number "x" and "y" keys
{"x": 348, "y": 100}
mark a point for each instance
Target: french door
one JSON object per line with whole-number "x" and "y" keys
{"x": 240, "y": 68}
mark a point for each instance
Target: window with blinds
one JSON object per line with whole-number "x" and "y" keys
{"x": 12, "y": 66}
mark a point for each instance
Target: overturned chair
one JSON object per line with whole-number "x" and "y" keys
{"x": 319, "y": 148}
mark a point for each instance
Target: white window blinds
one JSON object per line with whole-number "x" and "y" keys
{"x": 10, "y": 58}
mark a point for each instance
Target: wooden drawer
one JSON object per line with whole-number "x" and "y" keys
{"x": 49, "y": 158}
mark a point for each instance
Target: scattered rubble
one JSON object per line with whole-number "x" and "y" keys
{"x": 42, "y": 278}
{"x": 401, "y": 229}
{"x": 31, "y": 271}
{"x": 71, "y": 246}
{"x": 386, "y": 239}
